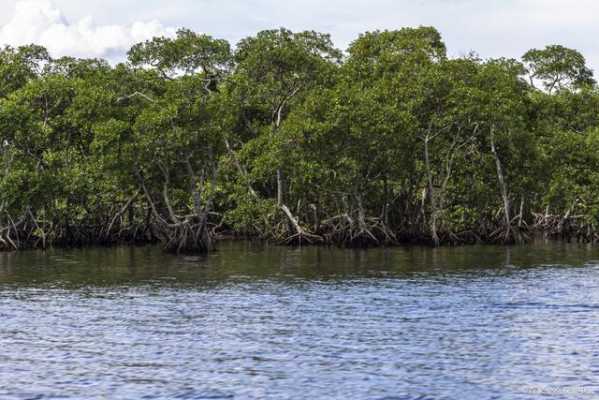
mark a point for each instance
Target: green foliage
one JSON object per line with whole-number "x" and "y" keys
{"x": 286, "y": 137}
{"x": 18, "y": 66}
{"x": 558, "y": 67}
{"x": 188, "y": 53}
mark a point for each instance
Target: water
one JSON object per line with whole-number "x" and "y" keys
{"x": 263, "y": 322}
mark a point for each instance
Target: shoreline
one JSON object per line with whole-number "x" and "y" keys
{"x": 538, "y": 237}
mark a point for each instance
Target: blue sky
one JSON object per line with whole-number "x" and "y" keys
{"x": 492, "y": 28}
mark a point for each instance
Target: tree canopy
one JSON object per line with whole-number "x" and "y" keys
{"x": 558, "y": 67}
{"x": 287, "y": 138}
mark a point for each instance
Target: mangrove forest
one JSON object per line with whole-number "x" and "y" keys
{"x": 284, "y": 137}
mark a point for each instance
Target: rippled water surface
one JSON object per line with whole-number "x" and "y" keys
{"x": 256, "y": 322}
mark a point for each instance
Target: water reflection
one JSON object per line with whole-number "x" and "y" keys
{"x": 238, "y": 260}
{"x": 255, "y": 321}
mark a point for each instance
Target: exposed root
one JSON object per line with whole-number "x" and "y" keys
{"x": 357, "y": 232}
{"x": 300, "y": 235}
{"x": 566, "y": 227}
{"x": 190, "y": 236}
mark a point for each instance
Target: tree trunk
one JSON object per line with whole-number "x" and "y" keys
{"x": 431, "y": 193}
{"x": 195, "y": 185}
{"x": 503, "y": 188}
{"x": 244, "y": 174}
{"x": 279, "y": 188}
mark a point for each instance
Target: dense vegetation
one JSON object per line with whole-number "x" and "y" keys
{"x": 287, "y": 138}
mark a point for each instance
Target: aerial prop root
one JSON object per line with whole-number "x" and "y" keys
{"x": 300, "y": 235}
{"x": 362, "y": 231}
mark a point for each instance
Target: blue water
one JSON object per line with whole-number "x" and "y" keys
{"x": 255, "y": 322}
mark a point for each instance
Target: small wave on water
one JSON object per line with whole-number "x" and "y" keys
{"x": 320, "y": 324}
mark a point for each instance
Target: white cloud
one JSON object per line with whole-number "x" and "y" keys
{"x": 40, "y": 22}
{"x": 493, "y": 28}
